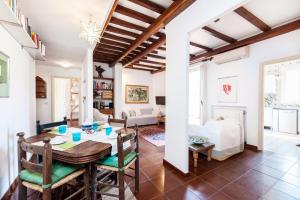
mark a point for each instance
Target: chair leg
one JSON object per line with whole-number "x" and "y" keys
{"x": 121, "y": 186}
{"x": 95, "y": 183}
{"x": 137, "y": 175}
{"x": 47, "y": 194}
{"x": 22, "y": 191}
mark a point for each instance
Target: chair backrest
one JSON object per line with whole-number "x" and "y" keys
{"x": 125, "y": 135}
{"x": 45, "y": 151}
{"x": 40, "y": 127}
{"x": 118, "y": 122}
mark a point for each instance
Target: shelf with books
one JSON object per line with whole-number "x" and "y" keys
{"x": 107, "y": 79}
{"x": 17, "y": 26}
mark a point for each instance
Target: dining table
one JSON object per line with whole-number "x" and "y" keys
{"x": 90, "y": 148}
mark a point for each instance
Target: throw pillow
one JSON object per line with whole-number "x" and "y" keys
{"x": 146, "y": 111}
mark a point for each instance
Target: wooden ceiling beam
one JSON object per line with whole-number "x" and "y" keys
{"x": 116, "y": 37}
{"x": 157, "y": 71}
{"x": 162, "y": 48}
{"x": 286, "y": 28}
{"x": 149, "y": 49}
{"x": 110, "y": 47}
{"x": 134, "y": 14}
{"x": 155, "y": 56}
{"x": 152, "y": 62}
{"x": 243, "y": 12}
{"x": 149, "y": 5}
{"x": 115, "y": 43}
{"x": 171, "y": 12}
{"x": 139, "y": 68}
{"x": 219, "y": 35}
{"x": 149, "y": 66}
{"x": 121, "y": 31}
{"x": 126, "y": 24}
{"x": 100, "y": 50}
{"x": 200, "y": 46}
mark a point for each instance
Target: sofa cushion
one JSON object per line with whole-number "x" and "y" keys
{"x": 132, "y": 113}
{"x": 146, "y": 111}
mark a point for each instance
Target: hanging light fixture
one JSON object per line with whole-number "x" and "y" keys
{"x": 90, "y": 31}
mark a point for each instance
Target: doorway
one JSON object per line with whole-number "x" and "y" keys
{"x": 280, "y": 105}
{"x": 65, "y": 99}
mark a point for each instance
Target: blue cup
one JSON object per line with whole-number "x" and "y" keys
{"x": 76, "y": 136}
{"x": 62, "y": 129}
{"x": 95, "y": 126}
{"x": 108, "y": 130}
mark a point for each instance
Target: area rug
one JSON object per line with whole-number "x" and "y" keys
{"x": 154, "y": 135}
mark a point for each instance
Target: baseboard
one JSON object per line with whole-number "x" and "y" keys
{"x": 166, "y": 163}
{"x": 251, "y": 147}
{"x": 10, "y": 190}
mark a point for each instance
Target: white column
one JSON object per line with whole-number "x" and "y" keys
{"x": 87, "y": 87}
{"x": 118, "y": 70}
{"x": 177, "y": 62}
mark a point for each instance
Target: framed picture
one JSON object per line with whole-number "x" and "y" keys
{"x": 227, "y": 91}
{"x": 136, "y": 94}
{"x": 4, "y": 75}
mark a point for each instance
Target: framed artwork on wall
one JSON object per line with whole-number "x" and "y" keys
{"x": 227, "y": 89}
{"x": 136, "y": 94}
{"x": 4, "y": 75}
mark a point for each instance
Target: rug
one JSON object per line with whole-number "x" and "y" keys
{"x": 154, "y": 135}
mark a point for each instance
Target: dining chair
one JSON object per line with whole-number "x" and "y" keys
{"x": 46, "y": 176}
{"x": 40, "y": 127}
{"x": 118, "y": 164}
{"x": 118, "y": 122}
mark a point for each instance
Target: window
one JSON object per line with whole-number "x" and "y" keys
{"x": 195, "y": 107}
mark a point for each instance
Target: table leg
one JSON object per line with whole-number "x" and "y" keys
{"x": 87, "y": 181}
{"x": 209, "y": 152}
{"x": 195, "y": 156}
{"x": 94, "y": 181}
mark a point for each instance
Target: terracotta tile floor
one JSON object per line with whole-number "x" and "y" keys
{"x": 250, "y": 175}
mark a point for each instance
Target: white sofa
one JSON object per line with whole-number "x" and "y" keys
{"x": 143, "y": 116}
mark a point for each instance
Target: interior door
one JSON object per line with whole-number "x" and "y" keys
{"x": 61, "y": 98}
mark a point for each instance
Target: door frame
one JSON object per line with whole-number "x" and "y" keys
{"x": 261, "y": 96}
{"x": 52, "y": 93}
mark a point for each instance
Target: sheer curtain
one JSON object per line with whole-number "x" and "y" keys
{"x": 195, "y": 96}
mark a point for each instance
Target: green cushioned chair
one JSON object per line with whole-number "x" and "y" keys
{"x": 112, "y": 161}
{"x": 45, "y": 176}
{"x": 59, "y": 171}
{"x": 117, "y": 164}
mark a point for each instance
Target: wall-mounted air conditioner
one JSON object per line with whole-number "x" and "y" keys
{"x": 232, "y": 55}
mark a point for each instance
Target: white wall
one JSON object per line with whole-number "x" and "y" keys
{"x": 137, "y": 77}
{"x": 47, "y": 72}
{"x": 247, "y": 71}
{"x": 177, "y": 63}
{"x": 159, "y": 89}
{"x": 17, "y": 113}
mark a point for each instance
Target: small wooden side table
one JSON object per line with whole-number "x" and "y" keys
{"x": 161, "y": 119}
{"x": 197, "y": 148}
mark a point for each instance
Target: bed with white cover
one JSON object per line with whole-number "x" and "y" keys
{"x": 226, "y": 130}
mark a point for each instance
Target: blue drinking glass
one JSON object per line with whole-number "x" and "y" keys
{"x": 62, "y": 129}
{"x": 76, "y": 136}
{"x": 108, "y": 131}
{"x": 95, "y": 126}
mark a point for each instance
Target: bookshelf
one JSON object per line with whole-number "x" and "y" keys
{"x": 13, "y": 26}
{"x": 104, "y": 95}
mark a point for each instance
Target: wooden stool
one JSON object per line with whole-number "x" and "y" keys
{"x": 206, "y": 148}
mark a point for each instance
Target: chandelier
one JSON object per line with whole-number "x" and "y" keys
{"x": 90, "y": 31}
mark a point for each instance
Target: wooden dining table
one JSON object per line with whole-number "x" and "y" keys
{"x": 83, "y": 153}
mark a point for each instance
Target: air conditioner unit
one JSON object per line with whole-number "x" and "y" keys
{"x": 232, "y": 55}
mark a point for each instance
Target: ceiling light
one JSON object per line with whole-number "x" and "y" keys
{"x": 65, "y": 64}
{"x": 90, "y": 31}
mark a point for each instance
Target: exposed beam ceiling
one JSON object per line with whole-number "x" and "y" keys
{"x": 200, "y": 46}
{"x": 152, "y": 62}
{"x": 292, "y": 26}
{"x": 134, "y": 14}
{"x": 150, "y": 5}
{"x": 159, "y": 23}
{"x": 219, "y": 35}
{"x": 243, "y": 12}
